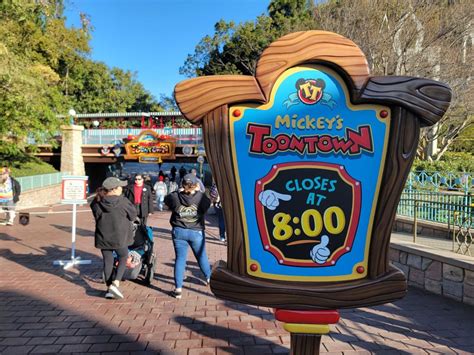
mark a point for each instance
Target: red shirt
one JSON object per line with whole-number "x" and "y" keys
{"x": 137, "y": 192}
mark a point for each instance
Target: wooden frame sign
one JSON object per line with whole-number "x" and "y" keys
{"x": 310, "y": 157}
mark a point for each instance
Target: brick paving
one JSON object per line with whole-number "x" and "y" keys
{"x": 45, "y": 309}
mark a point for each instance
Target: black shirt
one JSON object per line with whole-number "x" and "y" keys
{"x": 113, "y": 216}
{"x": 187, "y": 210}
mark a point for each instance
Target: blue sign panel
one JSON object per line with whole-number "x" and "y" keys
{"x": 308, "y": 165}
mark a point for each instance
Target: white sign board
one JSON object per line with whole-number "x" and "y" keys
{"x": 74, "y": 190}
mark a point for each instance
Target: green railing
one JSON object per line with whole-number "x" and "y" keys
{"x": 440, "y": 207}
{"x": 437, "y": 196}
{"x": 38, "y": 181}
{"x": 435, "y": 180}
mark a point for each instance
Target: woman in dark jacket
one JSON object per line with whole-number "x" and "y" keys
{"x": 140, "y": 195}
{"x": 113, "y": 215}
{"x": 188, "y": 207}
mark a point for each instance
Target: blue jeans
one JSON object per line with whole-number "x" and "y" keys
{"x": 195, "y": 239}
{"x": 159, "y": 201}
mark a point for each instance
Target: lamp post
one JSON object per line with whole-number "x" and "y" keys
{"x": 95, "y": 123}
{"x": 72, "y": 113}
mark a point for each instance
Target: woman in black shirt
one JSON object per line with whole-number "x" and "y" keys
{"x": 188, "y": 207}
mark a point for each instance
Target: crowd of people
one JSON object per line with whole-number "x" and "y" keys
{"x": 119, "y": 205}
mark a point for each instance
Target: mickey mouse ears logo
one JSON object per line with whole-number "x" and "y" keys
{"x": 310, "y": 92}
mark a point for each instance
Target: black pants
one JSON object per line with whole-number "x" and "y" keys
{"x": 108, "y": 256}
{"x": 143, "y": 217}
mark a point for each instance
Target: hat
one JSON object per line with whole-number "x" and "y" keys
{"x": 112, "y": 182}
{"x": 190, "y": 178}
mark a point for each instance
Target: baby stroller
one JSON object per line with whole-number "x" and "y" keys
{"x": 141, "y": 257}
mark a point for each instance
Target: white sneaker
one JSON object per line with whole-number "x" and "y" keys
{"x": 109, "y": 296}
{"x": 177, "y": 294}
{"x": 9, "y": 223}
{"x": 114, "y": 290}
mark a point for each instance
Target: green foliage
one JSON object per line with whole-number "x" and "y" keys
{"x": 465, "y": 141}
{"x": 235, "y": 49}
{"x": 44, "y": 71}
{"x": 450, "y": 162}
{"x": 28, "y": 166}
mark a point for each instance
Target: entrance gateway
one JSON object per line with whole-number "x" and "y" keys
{"x": 310, "y": 157}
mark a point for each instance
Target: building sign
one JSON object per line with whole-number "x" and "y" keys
{"x": 301, "y": 162}
{"x": 74, "y": 190}
{"x": 150, "y": 147}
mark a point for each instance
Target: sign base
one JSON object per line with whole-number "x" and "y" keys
{"x": 67, "y": 264}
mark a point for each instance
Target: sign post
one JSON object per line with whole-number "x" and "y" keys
{"x": 73, "y": 192}
{"x": 200, "y": 160}
{"x": 310, "y": 157}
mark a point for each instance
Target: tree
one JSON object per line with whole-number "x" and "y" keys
{"x": 44, "y": 71}
{"x": 423, "y": 38}
{"x": 235, "y": 49}
{"x": 30, "y": 94}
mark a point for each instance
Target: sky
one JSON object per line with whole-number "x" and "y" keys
{"x": 154, "y": 37}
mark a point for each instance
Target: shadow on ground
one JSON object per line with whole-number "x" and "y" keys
{"x": 30, "y": 324}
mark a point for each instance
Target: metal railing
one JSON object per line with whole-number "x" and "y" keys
{"x": 436, "y": 180}
{"x": 434, "y": 206}
{"x": 441, "y": 197}
{"x": 38, "y": 181}
{"x": 458, "y": 216}
{"x": 192, "y": 135}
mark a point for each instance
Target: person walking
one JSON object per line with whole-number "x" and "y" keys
{"x": 188, "y": 207}
{"x": 161, "y": 191}
{"x": 10, "y": 191}
{"x": 114, "y": 215}
{"x": 216, "y": 202}
{"x": 182, "y": 171}
{"x": 141, "y": 196}
{"x": 199, "y": 181}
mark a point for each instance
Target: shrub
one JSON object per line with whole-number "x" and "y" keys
{"x": 450, "y": 162}
{"x": 29, "y": 166}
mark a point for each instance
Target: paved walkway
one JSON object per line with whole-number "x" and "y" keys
{"x": 44, "y": 309}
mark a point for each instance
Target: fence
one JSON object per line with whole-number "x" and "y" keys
{"x": 442, "y": 198}
{"x": 440, "y": 207}
{"x": 440, "y": 180}
{"x": 38, "y": 181}
{"x": 192, "y": 135}
{"x": 437, "y": 195}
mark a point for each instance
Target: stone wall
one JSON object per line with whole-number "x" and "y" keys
{"x": 44, "y": 196}
{"x": 404, "y": 224}
{"x": 440, "y": 272}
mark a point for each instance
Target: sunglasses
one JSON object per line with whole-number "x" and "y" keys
{"x": 138, "y": 179}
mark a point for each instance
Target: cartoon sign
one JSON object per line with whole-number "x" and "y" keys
{"x": 150, "y": 147}
{"x": 310, "y": 156}
{"x": 300, "y": 163}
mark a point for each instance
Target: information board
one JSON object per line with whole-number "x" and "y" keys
{"x": 74, "y": 190}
